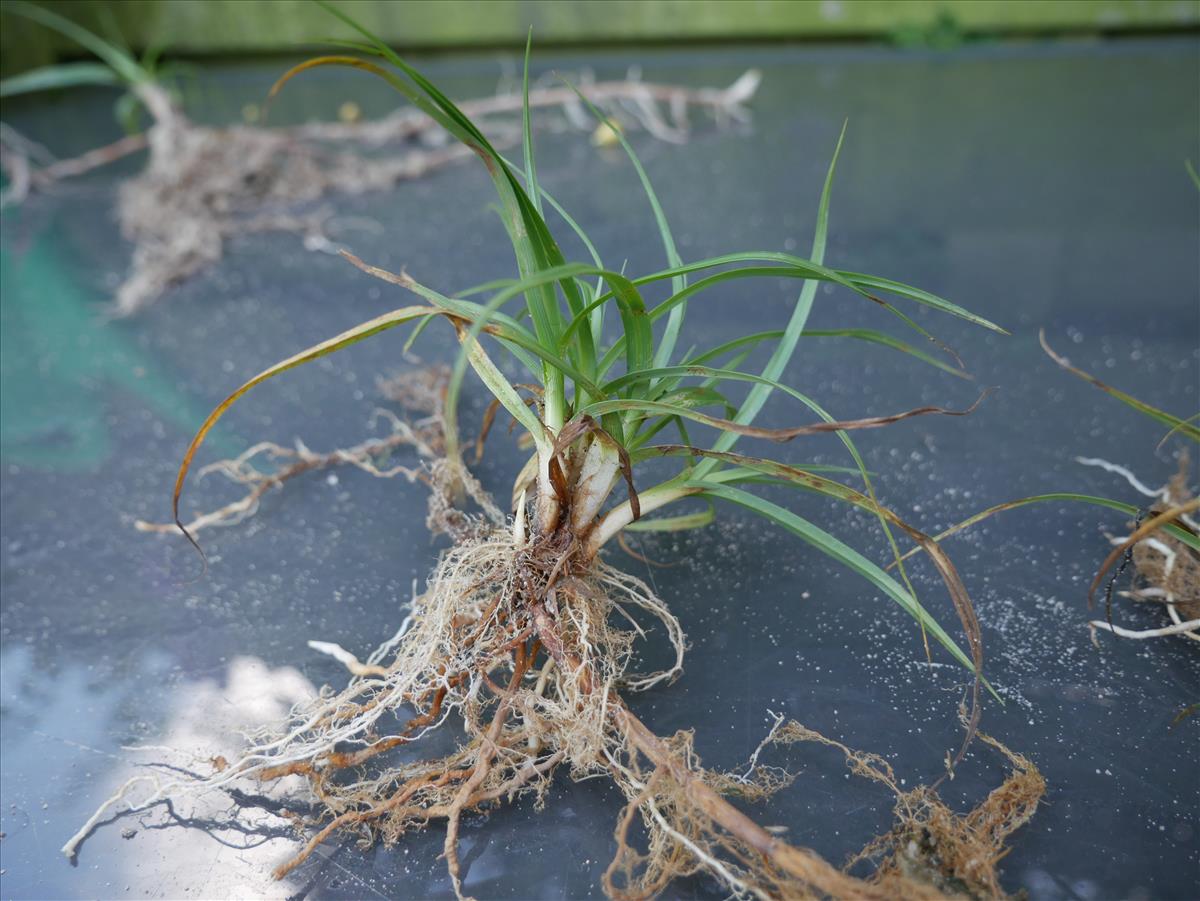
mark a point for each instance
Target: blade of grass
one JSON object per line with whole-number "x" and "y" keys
{"x": 1191, "y": 419}
{"x": 807, "y": 271}
{"x": 518, "y": 340}
{"x": 883, "y": 339}
{"x": 1176, "y": 532}
{"x": 534, "y": 245}
{"x": 844, "y": 554}
{"x": 680, "y": 523}
{"x": 694, "y": 370}
{"x": 322, "y": 349}
{"x": 472, "y": 353}
{"x": 858, "y": 334}
{"x": 121, "y": 62}
{"x": 718, "y": 374}
{"x": 630, "y": 304}
{"x": 527, "y": 232}
{"x": 1174, "y": 422}
{"x": 666, "y": 346}
{"x": 871, "y": 283}
{"x": 787, "y": 344}
{"x": 779, "y": 435}
{"x": 531, "y": 182}
{"x": 597, "y": 322}
{"x": 635, "y": 319}
{"x": 61, "y": 75}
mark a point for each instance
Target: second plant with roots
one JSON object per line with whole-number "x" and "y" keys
{"x": 523, "y": 633}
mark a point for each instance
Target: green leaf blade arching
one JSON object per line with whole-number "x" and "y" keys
{"x": 62, "y": 75}
{"x": 1175, "y": 423}
{"x": 120, "y": 61}
{"x": 844, "y": 554}
{"x": 1177, "y": 532}
{"x": 315, "y": 352}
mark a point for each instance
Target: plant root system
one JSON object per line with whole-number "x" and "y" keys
{"x": 527, "y": 644}
{"x": 202, "y": 185}
{"x": 1167, "y": 570}
{"x": 931, "y": 845}
{"x": 530, "y": 647}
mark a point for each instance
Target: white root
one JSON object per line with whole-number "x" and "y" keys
{"x": 348, "y": 660}
{"x": 71, "y": 848}
{"x": 1165, "y": 493}
{"x": 1178, "y": 620}
{"x": 1123, "y": 473}
{"x": 1181, "y": 628}
{"x": 778, "y": 720}
{"x": 1168, "y": 555}
{"x": 740, "y": 887}
{"x": 475, "y": 582}
{"x": 242, "y": 470}
{"x": 1148, "y": 594}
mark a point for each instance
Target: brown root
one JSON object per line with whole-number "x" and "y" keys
{"x": 933, "y": 846}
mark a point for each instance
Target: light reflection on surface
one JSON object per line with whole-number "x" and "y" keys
{"x": 65, "y": 728}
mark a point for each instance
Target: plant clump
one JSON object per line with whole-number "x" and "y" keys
{"x": 524, "y": 636}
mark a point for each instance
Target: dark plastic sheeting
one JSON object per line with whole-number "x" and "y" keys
{"x": 1041, "y": 186}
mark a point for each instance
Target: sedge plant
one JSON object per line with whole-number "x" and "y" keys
{"x": 524, "y": 633}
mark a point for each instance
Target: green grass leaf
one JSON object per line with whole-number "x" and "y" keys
{"x": 120, "y": 61}
{"x": 531, "y": 182}
{"x": 844, "y": 554}
{"x": 871, "y": 283}
{"x": 795, "y": 327}
{"x": 62, "y": 75}
{"x": 315, "y": 352}
{"x": 658, "y": 408}
{"x": 666, "y": 346}
{"x": 883, "y": 339}
{"x": 680, "y": 523}
{"x": 1177, "y": 532}
{"x": 1176, "y": 424}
